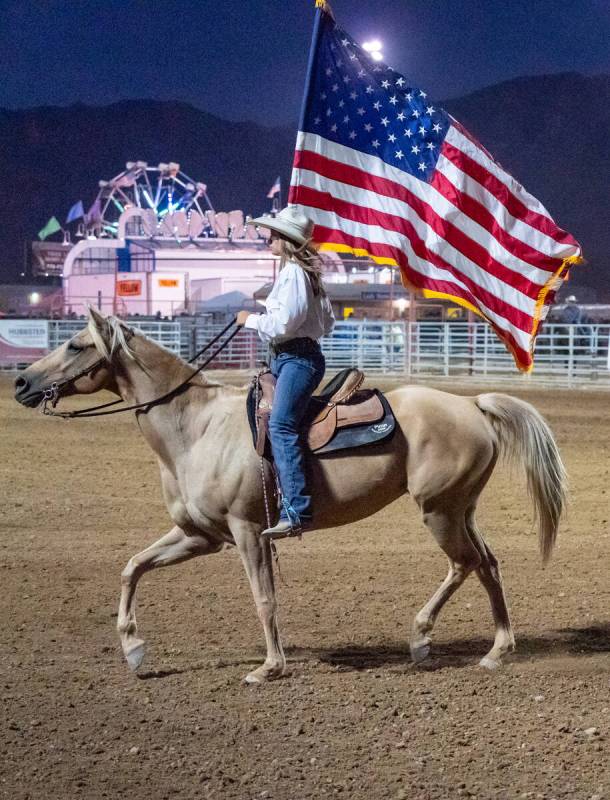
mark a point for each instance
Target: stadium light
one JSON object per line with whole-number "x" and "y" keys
{"x": 373, "y": 48}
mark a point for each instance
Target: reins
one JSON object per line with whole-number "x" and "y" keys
{"x": 51, "y": 395}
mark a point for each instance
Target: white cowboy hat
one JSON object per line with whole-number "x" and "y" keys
{"x": 289, "y": 223}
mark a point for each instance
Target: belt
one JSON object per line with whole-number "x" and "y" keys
{"x": 301, "y": 345}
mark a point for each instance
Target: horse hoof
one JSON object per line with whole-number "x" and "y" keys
{"x": 264, "y": 674}
{"x": 420, "y": 652}
{"x": 489, "y": 663}
{"x": 135, "y": 656}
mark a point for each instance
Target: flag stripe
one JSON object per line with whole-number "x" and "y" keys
{"x": 461, "y": 240}
{"x": 421, "y": 280}
{"x": 420, "y": 257}
{"x": 482, "y": 214}
{"x": 368, "y": 218}
{"x": 488, "y": 174}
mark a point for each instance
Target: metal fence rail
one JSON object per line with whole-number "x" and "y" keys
{"x": 565, "y": 354}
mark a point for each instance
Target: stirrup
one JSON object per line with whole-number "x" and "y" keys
{"x": 283, "y": 529}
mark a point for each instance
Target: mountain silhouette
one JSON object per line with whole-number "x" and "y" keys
{"x": 549, "y": 131}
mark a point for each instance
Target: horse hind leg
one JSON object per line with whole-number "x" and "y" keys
{"x": 172, "y": 548}
{"x": 448, "y": 527}
{"x": 491, "y": 578}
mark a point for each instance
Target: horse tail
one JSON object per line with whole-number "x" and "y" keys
{"x": 524, "y": 437}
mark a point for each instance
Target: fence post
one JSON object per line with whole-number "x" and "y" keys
{"x": 570, "y": 353}
{"x": 446, "y": 341}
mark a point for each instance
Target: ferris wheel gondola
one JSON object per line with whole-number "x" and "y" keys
{"x": 170, "y": 203}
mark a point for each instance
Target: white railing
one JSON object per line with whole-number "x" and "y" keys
{"x": 565, "y": 354}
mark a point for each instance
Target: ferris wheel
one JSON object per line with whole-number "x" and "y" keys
{"x": 159, "y": 200}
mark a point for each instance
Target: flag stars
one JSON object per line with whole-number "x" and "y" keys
{"x": 385, "y": 84}
{"x": 346, "y": 79}
{"x": 345, "y": 42}
{"x": 352, "y": 134}
{"x": 436, "y": 127}
{"x": 335, "y": 87}
{"x": 334, "y": 128}
{"x": 339, "y": 62}
{"x": 346, "y": 119}
{"x": 328, "y": 112}
{"x": 391, "y": 138}
{"x": 341, "y": 103}
{"x": 421, "y": 166}
{"x": 361, "y": 73}
{"x": 317, "y": 120}
{"x": 401, "y": 116}
{"x": 385, "y": 122}
{"x": 352, "y": 56}
{"x": 409, "y": 96}
{"x": 360, "y": 111}
{"x": 415, "y": 149}
{"x": 408, "y": 132}
{"x": 430, "y": 109}
{"x": 393, "y": 100}
{"x": 377, "y": 105}
{"x": 422, "y": 94}
{"x": 430, "y": 145}
{"x": 399, "y": 154}
{"x": 375, "y": 142}
{"x": 368, "y": 127}
{"x": 400, "y": 82}
{"x": 415, "y": 113}
{"x": 422, "y": 130}
{"x": 328, "y": 71}
{"x": 353, "y": 95}
{"x": 369, "y": 89}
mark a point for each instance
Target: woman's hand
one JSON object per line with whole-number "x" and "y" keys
{"x": 242, "y": 316}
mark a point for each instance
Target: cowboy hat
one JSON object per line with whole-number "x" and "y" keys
{"x": 289, "y": 223}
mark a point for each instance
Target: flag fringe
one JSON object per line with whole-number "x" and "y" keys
{"x": 551, "y": 284}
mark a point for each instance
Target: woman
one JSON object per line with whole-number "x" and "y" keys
{"x": 298, "y": 313}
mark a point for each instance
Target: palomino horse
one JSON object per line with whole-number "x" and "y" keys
{"x": 443, "y": 452}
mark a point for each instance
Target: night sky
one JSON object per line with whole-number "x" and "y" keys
{"x": 242, "y": 59}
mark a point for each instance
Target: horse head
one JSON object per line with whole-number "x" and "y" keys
{"x": 84, "y": 364}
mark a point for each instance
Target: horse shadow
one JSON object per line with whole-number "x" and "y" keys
{"x": 589, "y": 640}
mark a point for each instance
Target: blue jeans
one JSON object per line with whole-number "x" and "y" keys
{"x": 297, "y": 375}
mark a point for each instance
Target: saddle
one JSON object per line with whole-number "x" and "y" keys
{"x": 342, "y": 416}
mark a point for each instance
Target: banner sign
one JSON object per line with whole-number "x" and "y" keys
{"x": 128, "y": 288}
{"x": 168, "y": 283}
{"x": 23, "y": 340}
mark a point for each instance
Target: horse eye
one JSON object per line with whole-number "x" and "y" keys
{"x": 73, "y": 347}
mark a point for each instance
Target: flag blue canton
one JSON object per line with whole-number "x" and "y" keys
{"x": 366, "y": 105}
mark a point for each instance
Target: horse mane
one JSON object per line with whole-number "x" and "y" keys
{"x": 118, "y": 342}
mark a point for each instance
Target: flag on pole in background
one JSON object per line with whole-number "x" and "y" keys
{"x": 95, "y": 213}
{"x": 383, "y": 171}
{"x": 76, "y": 212}
{"x": 275, "y": 189}
{"x": 52, "y": 226}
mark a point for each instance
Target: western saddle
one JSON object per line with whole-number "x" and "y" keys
{"x": 340, "y": 405}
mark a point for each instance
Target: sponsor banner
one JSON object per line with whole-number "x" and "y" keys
{"x": 168, "y": 283}
{"x": 23, "y": 340}
{"x": 128, "y": 288}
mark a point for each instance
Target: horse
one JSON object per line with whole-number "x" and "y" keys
{"x": 442, "y": 453}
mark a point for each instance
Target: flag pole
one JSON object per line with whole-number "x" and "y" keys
{"x": 322, "y": 7}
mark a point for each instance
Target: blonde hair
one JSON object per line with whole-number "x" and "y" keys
{"x": 308, "y": 258}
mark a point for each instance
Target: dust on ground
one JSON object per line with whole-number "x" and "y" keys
{"x": 354, "y": 719}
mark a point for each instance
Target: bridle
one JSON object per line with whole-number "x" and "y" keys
{"x": 51, "y": 395}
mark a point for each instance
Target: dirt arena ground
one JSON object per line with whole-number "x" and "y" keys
{"x": 355, "y": 719}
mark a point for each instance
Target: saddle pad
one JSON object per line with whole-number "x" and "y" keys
{"x": 359, "y": 435}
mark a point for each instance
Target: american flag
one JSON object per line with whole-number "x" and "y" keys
{"x": 383, "y": 171}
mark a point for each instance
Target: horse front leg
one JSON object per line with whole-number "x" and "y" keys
{"x": 174, "y": 547}
{"x": 256, "y": 555}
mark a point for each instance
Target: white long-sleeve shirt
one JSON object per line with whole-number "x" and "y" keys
{"x": 292, "y": 309}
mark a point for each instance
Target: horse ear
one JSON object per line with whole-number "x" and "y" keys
{"x": 100, "y": 323}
